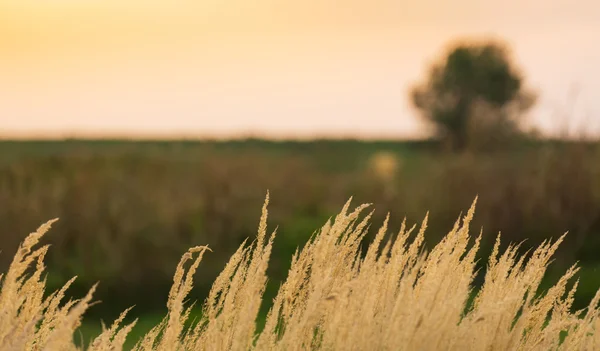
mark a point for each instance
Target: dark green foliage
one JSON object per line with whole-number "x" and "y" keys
{"x": 475, "y": 89}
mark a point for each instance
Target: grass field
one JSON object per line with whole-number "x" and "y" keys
{"x": 129, "y": 210}
{"x": 392, "y": 293}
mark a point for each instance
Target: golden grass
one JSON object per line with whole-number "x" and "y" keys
{"x": 394, "y": 296}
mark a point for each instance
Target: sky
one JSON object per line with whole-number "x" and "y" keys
{"x": 276, "y": 68}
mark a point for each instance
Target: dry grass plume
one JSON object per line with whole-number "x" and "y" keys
{"x": 337, "y": 296}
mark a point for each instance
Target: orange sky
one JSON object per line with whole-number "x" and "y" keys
{"x": 276, "y": 67}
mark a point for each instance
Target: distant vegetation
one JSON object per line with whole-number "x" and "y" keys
{"x": 128, "y": 210}
{"x": 474, "y": 96}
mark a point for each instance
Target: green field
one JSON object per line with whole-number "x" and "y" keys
{"x": 128, "y": 210}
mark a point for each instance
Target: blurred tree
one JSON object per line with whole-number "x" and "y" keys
{"x": 474, "y": 96}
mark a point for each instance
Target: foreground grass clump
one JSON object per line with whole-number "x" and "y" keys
{"x": 394, "y": 296}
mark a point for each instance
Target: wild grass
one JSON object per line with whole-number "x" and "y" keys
{"x": 148, "y": 202}
{"x": 391, "y": 295}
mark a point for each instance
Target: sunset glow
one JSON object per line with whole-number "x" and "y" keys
{"x": 267, "y": 67}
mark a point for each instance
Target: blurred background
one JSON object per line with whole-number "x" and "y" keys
{"x": 148, "y": 127}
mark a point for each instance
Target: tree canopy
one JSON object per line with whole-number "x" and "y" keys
{"x": 475, "y": 95}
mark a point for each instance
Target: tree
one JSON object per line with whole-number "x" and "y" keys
{"x": 474, "y": 96}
